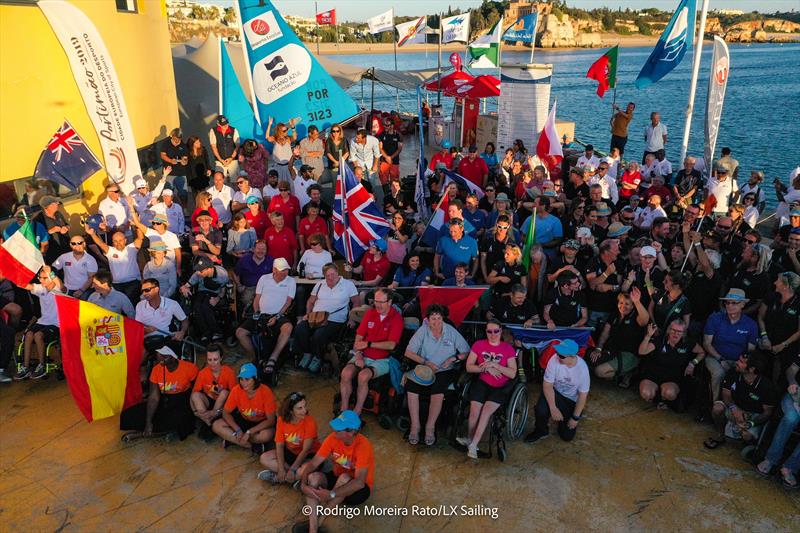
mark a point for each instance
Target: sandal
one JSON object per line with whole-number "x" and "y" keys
{"x": 764, "y": 471}
{"x": 269, "y": 366}
{"x": 713, "y": 443}
{"x": 430, "y": 438}
{"x": 789, "y": 481}
{"x": 413, "y": 439}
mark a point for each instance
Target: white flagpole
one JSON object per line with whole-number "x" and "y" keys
{"x": 316, "y": 27}
{"x": 219, "y": 69}
{"x": 439, "y": 65}
{"x": 698, "y": 51}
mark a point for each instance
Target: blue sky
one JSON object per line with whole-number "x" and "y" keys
{"x": 360, "y": 10}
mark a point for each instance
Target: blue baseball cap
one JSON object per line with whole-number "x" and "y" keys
{"x": 380, "y": 244}
{"x": 253, "y": 200}
{"x": 248, "y": 371}
{"x": 567, "y": 348}
{"x": 346, "y": 420}
{"x": 446, "y": 144}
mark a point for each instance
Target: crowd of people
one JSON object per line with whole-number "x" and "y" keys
{"x": 686, "y": 300}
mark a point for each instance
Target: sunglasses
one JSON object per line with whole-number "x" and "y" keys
{"x": 283, "y": 190}
{"x": 493, "y": 331}
{"x": 751, "y": 241}
{"x": 146, "y": 290}
{"x": 336, "y": 131}
{"x": 315, "y": 243}
{"x": 80, "y": 243}
{"x": 113, "y": 190}
{"x": 502, "y": 227}
{"x": 732, "y": 302}
{"x": 284, "y": 131}
{"x": 158, "y": 224}
{"x": 239, "y": 182}
{"x": 142, "y": 187}
{"x": 724, "y": 227}
{"x": 381, "y": 301}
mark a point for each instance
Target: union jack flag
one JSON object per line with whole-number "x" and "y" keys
{"x": 356, "y": 218}
{"x": 66, "y": 159}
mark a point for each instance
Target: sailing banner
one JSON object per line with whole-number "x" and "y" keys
{"x": 677, "y": 39}
{"x": 327, "y": 18}
{"x": 381, "y": 23}
{"x": 284, "y": 75}
{"x": 94, "y": 73}
{"x": 484, "y": 51}
{"x": 717, "y": 82}
{"x": 233, "y": 102}
{"x": 411, "y": 31}
{"x": 523, "y": 30}
{"x": 455, "y": 29}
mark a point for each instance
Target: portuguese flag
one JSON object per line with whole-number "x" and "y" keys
{"x": 604, "y": 70}
{"x": 101, "y": 353}
{"x": 20, "y": 258}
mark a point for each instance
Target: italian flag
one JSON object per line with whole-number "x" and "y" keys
{"x": 604, "y": 70}
{"x": 20, "y": 258}
{"x": 485, "y": 50}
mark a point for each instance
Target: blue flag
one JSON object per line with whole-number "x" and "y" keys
{"x": 523, "y": 30}
{"x": 288, "y": 82}
{"x": 233, "y": 102}
{"x": 66, "y": 159}
{"x": 673, "y": 44}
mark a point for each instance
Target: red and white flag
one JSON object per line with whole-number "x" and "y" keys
{"x": 548, "y": 148}
{"x": 327, "y": 18}
{"x": 459, "y": 301}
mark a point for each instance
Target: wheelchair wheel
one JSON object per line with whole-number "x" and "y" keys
{"x": 188, "y": 351}
{"x": 460, "y": 414}
{"x": 517, "y": 412}
{"x": 385, "y": 421}
{"x": 231, "y": 342}
{"x": 403, "y": 423}
{"x": 748, "y": 453}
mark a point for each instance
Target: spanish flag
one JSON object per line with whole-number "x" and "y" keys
{"x": 101, "y": 352}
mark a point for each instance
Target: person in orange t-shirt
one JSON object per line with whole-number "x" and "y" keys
{"x": 211, "y": 389}
{"x": 248, "y": 419}
{"x": 167, "y": 408}
{"x": 295, "y": 441}
{"x": 353, "y": 474}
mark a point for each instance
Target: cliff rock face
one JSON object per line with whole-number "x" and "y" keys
{"x": 588, "y": 40}
{"x": 556, "y": 33}
{"x": 713, "y": 26}
{"x": 587, "y": 25}
{"x": 781, "y": 26}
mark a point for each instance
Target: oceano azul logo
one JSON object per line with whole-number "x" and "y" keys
{"x": 281, "y": 72}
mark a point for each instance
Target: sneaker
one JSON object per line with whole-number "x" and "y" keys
{"x": 296, "y": 485}
{"x": 40, "y": 372}
{"x": 536, "y": 436}
{"x": 4, "y": 378}
{"x": 304, "y": 361}
{"x": 267, "y": 475}
{"x": 315, "y": 365}
{"x": 22, "y": 374}
{"x": 472, "y": 452}
{"x": 464, "y": 441}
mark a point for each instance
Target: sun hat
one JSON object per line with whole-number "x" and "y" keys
{"x": 603, "y": 210}
{"x": 567, "y": 348}
{"x": 140, "y": 183}
{"x": 502, "y": 197}
{"x": 47, "y": 201}
{"x": 648, "y": 250}
{"x": 421, "y": 375}
{"x": 159, "y": 218}
{"x": 346, "y": 420}
{"x": 166, "y": 350}
{"x": 736, "y": 295}
{"x": 248, "y": 371}
{"x": 158, "y": 246}
{"x": 166, "y": 192}
{"x": 281, "y": 264}
{"x": 583, "y": 232}
{"x": 617, "y": 229}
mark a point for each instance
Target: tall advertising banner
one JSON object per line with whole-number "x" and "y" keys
{"x": 717, "y": 82}
{"x": 94, "y": 73}
{"x": 285, "y": 77}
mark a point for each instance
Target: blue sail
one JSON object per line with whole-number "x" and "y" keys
{"x": 288, "y": 82}
{"x": 233, "y": 102}
{"x": 673, "y": 44}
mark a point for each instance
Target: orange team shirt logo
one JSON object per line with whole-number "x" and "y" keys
{"x": 294, "y": 438}
{"x": 343, "y": 461}
{"x": 169, "y": 386}
{"x": 250, "y": 412}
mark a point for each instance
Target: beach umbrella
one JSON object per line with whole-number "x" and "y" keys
{"x": 450, "y": 82}
{"x": 480, "y": 87}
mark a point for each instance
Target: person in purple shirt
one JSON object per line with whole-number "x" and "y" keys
{"x": 248, "y": 271}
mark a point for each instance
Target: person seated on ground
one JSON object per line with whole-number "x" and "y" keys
{"x": 727, "y": 336}
{"x": 668, "y": 362}
{"x": 167, "y": 408}
{"x": 122, "y": 261}
{"x": 44, "y": 329}
{"x": 779, "y": 322}
{"x": 281, "y": 240}
{"x": 326, "y": 314}
{"x": 565, "y": 390}
{"x": 615, "y": 354}
{"x": 248, "y": 418}
{"x": 274, "y": 297}
{"x": 208, "y": 284}
{"x": 211, "y": 389}
{"x": 374, "y": 265}
{"x": 439, "y": 347}
{"x": 161, "y": 268}
{"x": 157, "y": 313}
{"x": 79, "y": 268}
{"x": 747, "y": 402}
{"x": 495, "y": 364}
{"x": 508, "y": 272}
{"x": 790, "y": 406}
{"x": 377, "y": 335}
{"x": 565, "y": 304}
{"x": 353, "y": 474}
{"x": 295, "y": 441}
{"x": 107, "y": 297}
{"x": 206, "y": 240}
{"x": 460, "y": 277}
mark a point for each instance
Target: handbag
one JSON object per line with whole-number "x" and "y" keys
{"x": 396, "y": 251}
{"x": 318, "y": 319}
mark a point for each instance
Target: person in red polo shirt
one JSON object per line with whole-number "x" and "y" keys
{"x": 474, "y": 168}
{"x": 443, "y": 156}
{"x": 374, "y": 265}
{"x": 376, "y": 336}
{"x": 311, "y": 224}
{"x": 281, "y": 241}
{"x": 287, "y": 204}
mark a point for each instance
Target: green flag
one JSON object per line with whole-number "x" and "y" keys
{"x": 484, "y": 51}
{"x": 526, "y": 253}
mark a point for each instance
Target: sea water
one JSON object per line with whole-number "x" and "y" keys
{"x": 760, "y": 119}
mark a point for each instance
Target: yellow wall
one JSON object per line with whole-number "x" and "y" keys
{"x": 37, "y": 90}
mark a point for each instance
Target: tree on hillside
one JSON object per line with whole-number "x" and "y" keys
{"x": 609, "y": 22}
{"x": 230, "y": 15}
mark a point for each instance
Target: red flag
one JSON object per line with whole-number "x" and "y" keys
{"x": 548, "y": 148}
{"x": 327, "y": 18}
{"x": 459, "y": 301}
{"x": 709, "y": 205}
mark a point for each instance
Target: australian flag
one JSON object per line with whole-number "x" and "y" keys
{"x": 66, "y": 159}
{"x": 356, "y": 218}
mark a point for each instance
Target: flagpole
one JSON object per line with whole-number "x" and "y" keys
{"x": 439, "y": 65}
{"x": 316, "y": 25}
{"x": 394, "y": 43}
{"x": 693, "y": 86}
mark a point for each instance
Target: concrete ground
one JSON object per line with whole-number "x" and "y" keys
{"x": 631, "y": 467}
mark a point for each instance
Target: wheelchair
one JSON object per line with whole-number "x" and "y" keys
{"x": 225, "y": 313}
{"x": 755, "y": 453}
{"x": 508, "y": 422}
{"x": 264, "y": 341}
{"x": 383, "y": 401}
{"x": 49, "y": 360}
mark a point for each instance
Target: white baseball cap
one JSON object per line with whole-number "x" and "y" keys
{"x": 166, "y": 192}
{"x": 140, "y": 183}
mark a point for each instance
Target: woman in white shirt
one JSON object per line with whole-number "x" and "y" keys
{"x": 162, "y": 268}
{"x": 751, "y": 213}
{"x": 315, "y": 257}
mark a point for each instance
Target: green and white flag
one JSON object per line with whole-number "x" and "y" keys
{"x": 485, "y": 50}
